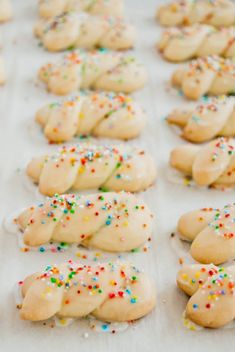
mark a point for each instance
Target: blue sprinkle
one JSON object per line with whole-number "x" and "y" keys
{"x": 133, "y": 300}
{"x": 105, "y": 327}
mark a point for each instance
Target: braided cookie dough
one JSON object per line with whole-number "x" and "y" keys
{"x": 212, "y": 302}
{"x": 50, "y": 8}
{"x": 84, "y": 31}
{"x": 113, "y": 292}
{"x": 85, "y": 167}
{"x": 103, "y": 70}
{"x": 114, "y": 222}
{"x": 210, "y": 165}
{"x": 211, "y": 118}
{"x": 212, "y": 233}
{"x": 186, "y": 12}
{"x": 211, "y": 75}
{"x": 100, "y": 114}
{"x": 180, "y": 44}
{"x": 5, "y": 10}
{"x": 2, "y": 72}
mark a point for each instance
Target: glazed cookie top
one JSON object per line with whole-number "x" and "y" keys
{"x": 109, "y": 221}
{"x": 211, "y": 117}
{"x": 74, "y": 30}
{"x": 98, "y": 69}
{"x": 103, "y": 114}
{"x": 211, "y": 164}
{"x": 211, "y": 75}
{"x": 216, "y": 12}
{"x": 198, "y": 40}
{"x": 212, "y": 294}
{"x": 212, "y": 233}
{"x": 113, "y": 291}
{"x": 90, "y": 166}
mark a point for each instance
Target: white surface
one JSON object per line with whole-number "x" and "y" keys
{"x": 19, "y": 99}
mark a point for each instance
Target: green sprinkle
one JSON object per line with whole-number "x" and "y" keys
{"x": 71, "y": 48}
{"x": 103, "y": 189}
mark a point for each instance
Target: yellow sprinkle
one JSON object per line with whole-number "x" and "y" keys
{"x": 186, "y": 181}
{"x": 112, "y": 282}
{"x": 81, "y": 169}
{"x": 81, "y": 115}
{"x": 197, "y": 275}
{"x": 86, "y": 218}
{"x": 184, "y": 276}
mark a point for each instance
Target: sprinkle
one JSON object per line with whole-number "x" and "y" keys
{"x": 133, "y": 299}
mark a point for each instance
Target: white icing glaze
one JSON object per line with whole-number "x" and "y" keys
{"x": 181, "y": 248}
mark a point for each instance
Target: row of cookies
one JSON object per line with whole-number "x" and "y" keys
{"x": 114, "y": 221}
{"x": 203, "y": 30}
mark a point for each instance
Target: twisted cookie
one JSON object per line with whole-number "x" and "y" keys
{"x": 110, "y": 221}
{"x": 209, "y": 165}
{"x": 110, "y": 292}
{"x": 186, "y": 12}
{"x": 84, "y": 31}
{"x": 212, "y": 304}
{"x": 212, "y": 233}
{"x": 100, "y": 114}
{"x": 180, "y": 44}
{"x": 209, "y": 119}
{"x": 5, "y": 10}
{"x": 50, "y": 8}
{"x": 210, "y": 75}
{"x": 2, "y": 72}
{"x": 85, "y": 167}
{"x": 101, "y": 69}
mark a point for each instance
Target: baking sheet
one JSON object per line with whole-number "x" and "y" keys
{"x": 19, "y": 99}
